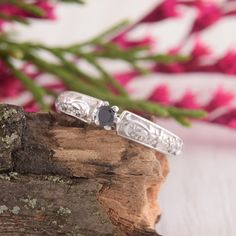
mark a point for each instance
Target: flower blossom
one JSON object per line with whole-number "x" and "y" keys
{"x": 161, "y": 94}
{"x": 227, "y": 119}
{"x": 200, "y": 49}
{"x": 194, "y": 64}
{"x": 12, "y": 10}
{"x": 208, "y": 13}
{"x": 221, "y": 98}
{"x": 10, "y": 86}
{"x": 125, "y": 77}
{"x": 188, "y": 101}
{"x": 166, "y": 9}
{"x": 227, "y": 64}
{"x": 125, "y": 43}
{"x": 48, "y": 9}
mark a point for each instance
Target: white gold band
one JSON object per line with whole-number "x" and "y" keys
{"x": 127, "y": 124}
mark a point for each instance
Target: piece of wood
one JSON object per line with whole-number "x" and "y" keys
{"x": 63, "y": 177}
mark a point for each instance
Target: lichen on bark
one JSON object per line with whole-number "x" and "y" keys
{"x": 12, "y": 120}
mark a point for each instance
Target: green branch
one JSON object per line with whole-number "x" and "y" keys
{"x": 73, "y": 1}
{"x": 37, "y": 91}
{"x": 106, "y": 77}
{"x": 102, "y": 36}
{"x": 77, "y": 79}
{"x": 14, "y": 18}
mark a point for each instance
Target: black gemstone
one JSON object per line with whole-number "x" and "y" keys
{"x": 106, "y": 116}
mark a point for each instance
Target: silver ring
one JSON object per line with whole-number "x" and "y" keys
{"x": 127, "y": 124}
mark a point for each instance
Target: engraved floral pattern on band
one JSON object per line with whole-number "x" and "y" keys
{"x": 78, "y": 105}
{"x": 147, "y": 133}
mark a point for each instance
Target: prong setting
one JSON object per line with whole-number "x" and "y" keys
{"x": 106, "y": 116}
{"x": 115, "y": 108}
{"x": 96, "y": 121}
{"x": 116, "y": 119}
{"x": 107, "y": 127}
{"x": 106, "y": 103}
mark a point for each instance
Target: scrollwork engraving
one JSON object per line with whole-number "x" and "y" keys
{"x": 147, "y": 133}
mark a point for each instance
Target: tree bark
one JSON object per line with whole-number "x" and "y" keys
{"x": 60, "y": 176}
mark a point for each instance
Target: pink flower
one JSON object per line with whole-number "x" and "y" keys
{"x": 12, "y": 10}
{"x": 10, "y": 86}
{"x": 228, "y": 119}
{"x": 232, "y": 123}
{"x": 220, "y": 98}
{"x": 164, "y": 10}
{"x": 208, "y": 14}
{"x": 161, "y": 12}
{"x": 31, "y": 106}
{"x": 199, "y": 49}
{"x": 227, "y": 64}
{"x": 125, "y": 77}
{"x": 174, "y": 67}
{"x": 123, "y": 42}
{"x": 193, "y": 64}
{"x": 48, "y": 9}
{"x": 188, "y": 101}
{"x": 160, "y": 94}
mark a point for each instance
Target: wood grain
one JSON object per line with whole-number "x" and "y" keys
{"x": 115, "y": 180}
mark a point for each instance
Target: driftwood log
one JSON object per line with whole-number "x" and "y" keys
{"x": 60, "y": 176}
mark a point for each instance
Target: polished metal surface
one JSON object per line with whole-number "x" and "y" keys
{"x": 127, "y": 124}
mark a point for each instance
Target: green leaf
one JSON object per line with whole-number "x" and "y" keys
{"x": 183, "y": 121}
{"x": 165, "y": 59}
{"x": 37, "y": 91}
{"x": 14, "y": 18}
{"x": 187, "y": 112}
{"x": 73, "y": 1}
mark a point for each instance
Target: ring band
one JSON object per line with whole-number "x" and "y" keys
{"x": 127, "y": 124}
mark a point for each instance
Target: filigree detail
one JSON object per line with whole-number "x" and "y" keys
{"x": 136, "y": 129}
{"x": 81, "y": 107}
{"x": 78, "y": 105}
{"x": 147, "y": 133}
{"x": 73, "y": 105}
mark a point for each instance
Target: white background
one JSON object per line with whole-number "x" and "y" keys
{"x": 199, "y": 197}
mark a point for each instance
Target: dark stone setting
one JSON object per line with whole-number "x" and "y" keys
{"x": 106, "y": 116}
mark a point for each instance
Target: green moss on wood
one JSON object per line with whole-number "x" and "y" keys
{"x": 30, "y": 202}
{"x": 9, "y": 176}
{"x": 63, "y": 211}
{"x": 8, "y": 140}
{"x": 6, "y": 113}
